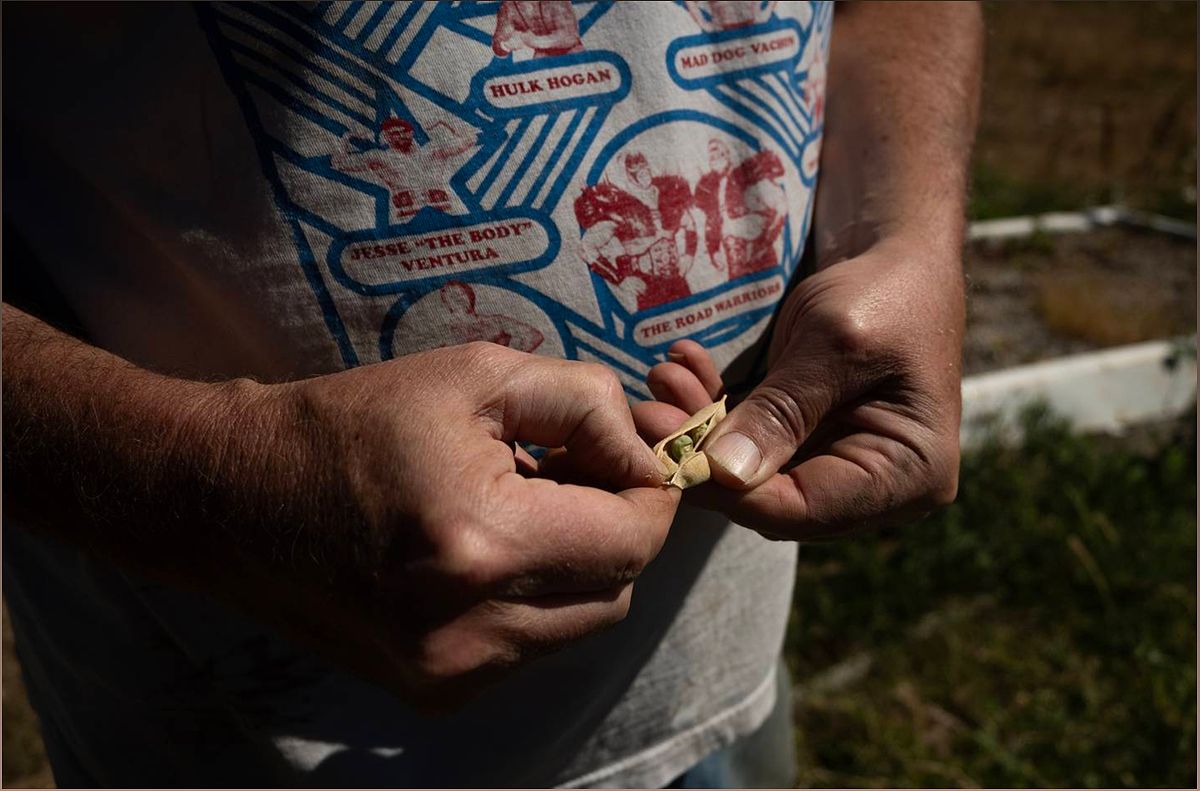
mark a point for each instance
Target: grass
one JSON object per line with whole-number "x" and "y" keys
{"x": 996, "y": 194}
{"x": 1041, "y": 632}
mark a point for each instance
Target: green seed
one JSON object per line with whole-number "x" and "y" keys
{"x": 679, "y": 447}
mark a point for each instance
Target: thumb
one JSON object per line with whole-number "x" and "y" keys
{"x": 764, "y": 431}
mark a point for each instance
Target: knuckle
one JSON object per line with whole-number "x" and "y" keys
{"x": 466, "y": 557}
{"x": 605, "y": 381}
{"x": 478, "y": 350}
{"x": 482, "y": 348}
{"x": 789, "y": 414}
{"x": 472, "y": 364}
{"x": 852, "y": 336}
{"x": 481, "y": 353}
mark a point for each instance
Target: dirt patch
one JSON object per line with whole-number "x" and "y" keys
{"x": 1046, "y": 296}
{"x": 1087, "y": 103}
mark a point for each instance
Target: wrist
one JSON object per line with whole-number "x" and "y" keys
{"x": 296, "y": 491}
{"x": 237, "y": 446}
{"x": 930, "y": 239}
{"x": 207, "y": 464}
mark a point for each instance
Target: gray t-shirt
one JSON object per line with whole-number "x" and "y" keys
{"x": 292, "y": 189}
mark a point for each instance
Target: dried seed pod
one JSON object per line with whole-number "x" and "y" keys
{"x": 681, "y": 453}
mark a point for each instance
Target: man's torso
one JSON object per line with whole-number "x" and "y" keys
{"x": 176, "y": 180}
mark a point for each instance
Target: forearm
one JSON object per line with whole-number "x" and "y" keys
{"x": 124, "y": 461}
{"x": 903, "y": 97}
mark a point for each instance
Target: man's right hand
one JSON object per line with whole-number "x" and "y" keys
{"x": 440, "y": 560}
{"x": 382, "y": 515}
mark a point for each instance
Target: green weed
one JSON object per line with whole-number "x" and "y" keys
{"x": 1040, "y": 632}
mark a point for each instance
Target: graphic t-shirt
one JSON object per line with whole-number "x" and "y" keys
{"x": 284, "y": 190}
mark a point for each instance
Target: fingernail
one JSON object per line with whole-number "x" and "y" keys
{"x": 736, "y": 454}
{"x": 676, "y": 357}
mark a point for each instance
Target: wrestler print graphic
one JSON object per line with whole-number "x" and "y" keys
{"x": 744, "y": 208}
{"x": 465, "y": 324}
{"x": 460, "y": 312}
{"x": 638, "y": 232}
{"x": 713, "y": 15}
{"x": 813, "y": 93}
{"x": 528, "y": 29}
{"x": 416, "y": 176}
{"x": 814, "y": 85}
{"x": 590, "y": 180}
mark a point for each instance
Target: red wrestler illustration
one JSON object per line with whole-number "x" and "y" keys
{"x": 744, "y": 209}
{"x": 416, "y": 176}
{"x": 638, "y": 233}
{"x": 528, "y": 30}
{"x": 814, "y": 85}
{"x": 729, "y": 14}
{"x": 814, "y": 96}
{"x": 465, "y": 325}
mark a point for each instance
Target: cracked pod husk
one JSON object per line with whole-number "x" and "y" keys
{"x": 686, "y": 464}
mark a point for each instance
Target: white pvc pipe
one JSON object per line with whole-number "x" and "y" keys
{"x": 1077, "y": 221}
{"x": 1106, "y": 390}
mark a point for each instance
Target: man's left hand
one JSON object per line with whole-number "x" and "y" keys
{"x": 856, "y": 423}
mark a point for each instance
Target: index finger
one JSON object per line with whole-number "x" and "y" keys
{"x": 577, "y": 538}
{"x": 581, "y": 406}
